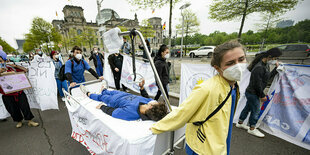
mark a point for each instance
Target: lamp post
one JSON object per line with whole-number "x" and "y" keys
{"x": 48, "y": 37}
{"x": 181, "y": 8}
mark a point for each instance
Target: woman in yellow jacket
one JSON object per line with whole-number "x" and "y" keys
{"x": 212, "y": 137}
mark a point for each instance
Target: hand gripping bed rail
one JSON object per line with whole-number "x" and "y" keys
{"x": 147, "y": 52}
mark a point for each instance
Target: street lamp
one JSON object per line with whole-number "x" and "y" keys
{"x": 48, "y": 36}
{"x": 181, "y": 8}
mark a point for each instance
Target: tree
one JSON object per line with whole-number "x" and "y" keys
{"x": 41, "y": 32}
{"x": 222, "y": 10}
{"x": 147, "y": 29}
{"x": 156, "y": 4}
{"x": 6, "y": 47}
{"x": 191, "y": 24}
{"x": 88, "y": 36}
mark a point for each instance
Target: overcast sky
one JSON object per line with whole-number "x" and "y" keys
{"x": 16, "y": 15}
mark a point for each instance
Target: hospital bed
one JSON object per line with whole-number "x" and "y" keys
{"x": 103, "y": 134}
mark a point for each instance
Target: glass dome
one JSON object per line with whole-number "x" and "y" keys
{"x": 106, "y": 15}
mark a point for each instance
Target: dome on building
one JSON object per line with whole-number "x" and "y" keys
{"x": 106, "y": 15}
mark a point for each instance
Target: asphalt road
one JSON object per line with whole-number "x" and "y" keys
{"x": 52, "y": 137}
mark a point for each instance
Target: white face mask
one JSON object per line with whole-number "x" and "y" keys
{"x": 167, "y": 56}
{"x": 57, "y": 56}
{"x": 95, "y": 51}
{"x": 78, "y": 56}
{"x": 272, "y": 62}
{"x": 234, "y": 73}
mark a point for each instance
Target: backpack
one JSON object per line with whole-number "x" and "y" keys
{"x": 61, "y": 75}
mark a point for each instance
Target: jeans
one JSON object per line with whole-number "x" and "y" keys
{"x": 60, "y": 85}
{"x": 99, "y": 70}
{"x": 189, "y": 151}
{"x": 253, "y": 106}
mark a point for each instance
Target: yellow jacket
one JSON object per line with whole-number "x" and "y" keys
{"x": 202, "y": 101}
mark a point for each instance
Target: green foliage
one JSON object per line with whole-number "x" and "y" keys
{"x": 147, "y": 29}
{"x": 227, "y": 10}
{"x": 41, "y": 32}
{"x": 6, "y": 47}
{"x": 294, "y": 34}
{"x": 191, "y": 23}
{"x": 89, "y": 37}
{"x": 156, "y": 4}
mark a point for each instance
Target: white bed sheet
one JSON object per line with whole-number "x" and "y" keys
{"x": 103, "y": 134}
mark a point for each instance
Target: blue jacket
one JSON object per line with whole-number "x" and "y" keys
{"x": 78, "y": 70}
{"x": 124, "y": 105}
{"x": 58, "y": 65}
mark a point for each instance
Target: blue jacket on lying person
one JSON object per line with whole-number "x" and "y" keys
{"x": 127, "y": 106}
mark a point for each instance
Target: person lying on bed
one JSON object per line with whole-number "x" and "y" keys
{"x": 127, "y": 106}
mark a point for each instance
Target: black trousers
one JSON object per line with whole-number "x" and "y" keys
{"x": 159, "y": 92}
{"x": 117, "y": 79}
{"x": 18, "y": 107}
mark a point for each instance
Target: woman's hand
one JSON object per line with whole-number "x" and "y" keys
{"x": 264, "y": 99}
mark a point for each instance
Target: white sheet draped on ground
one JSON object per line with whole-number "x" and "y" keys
{"x": 103, "y": 134}
{"x": 43, "y": 94}
{"x": 141, "y": 68}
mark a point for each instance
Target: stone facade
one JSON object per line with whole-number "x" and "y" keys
{"x": 108, "y": 19}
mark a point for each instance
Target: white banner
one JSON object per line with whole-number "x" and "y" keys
{"x": 142, "y": 68}
{"x": 43, "y": 94}
{"x": 103, "y": 134}
{"x": 191, "y": 75}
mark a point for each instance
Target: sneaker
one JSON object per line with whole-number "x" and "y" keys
{"x": 103, "y": 85}
{"x": 242, "y": 126}
{"x": 19, "y": 124}
{"x": 32, "y": 123}
{"x": 63, "y": 99}
{"x": 256, "y": 133}
{"x": 83, "y": 89}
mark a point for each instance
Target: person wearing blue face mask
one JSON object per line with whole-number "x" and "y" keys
{"x": 75, "y": 67}
{"x": 260, "y": 75}
{"x": 16, "y": 103}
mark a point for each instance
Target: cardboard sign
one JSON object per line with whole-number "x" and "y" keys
{"x": 11, "y": 83}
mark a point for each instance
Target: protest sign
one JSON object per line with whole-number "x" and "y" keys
{"x": 11, "y": 83}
